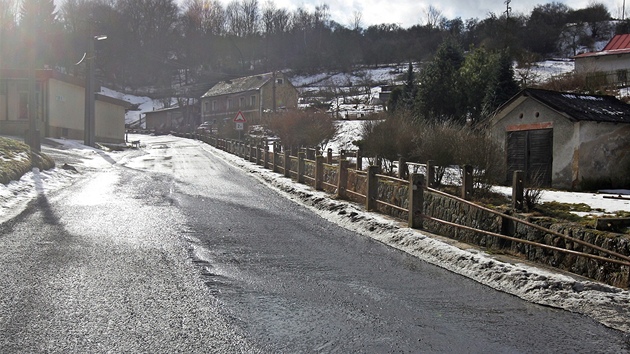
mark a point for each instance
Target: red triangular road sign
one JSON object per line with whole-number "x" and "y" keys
{"x": 240, "y": 118}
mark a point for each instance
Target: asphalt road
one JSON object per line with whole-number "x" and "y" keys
{"x": 171, "y": 249}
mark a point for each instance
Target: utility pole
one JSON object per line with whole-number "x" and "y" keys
{"x": 89, "y": 124}
{"x": 273, "y": 92}
{"x": 32, "y": 134}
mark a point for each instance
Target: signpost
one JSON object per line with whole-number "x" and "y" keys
{"x": 240, "y": 123}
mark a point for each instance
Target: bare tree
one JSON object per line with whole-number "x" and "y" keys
{"x": 251, "y": 16}
{"x": 204, "y": 16}
{"x": 434, "y": 16}
{"x": 243, "y": 17}
{"x": 275, "y": 21}
{"x": 357, "y": 21}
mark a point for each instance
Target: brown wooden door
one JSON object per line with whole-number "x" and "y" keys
{"x": 531, "y": 151}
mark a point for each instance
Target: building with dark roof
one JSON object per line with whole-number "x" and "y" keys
{"x": 252, "y": 96}
{"x": 562, "y": 139}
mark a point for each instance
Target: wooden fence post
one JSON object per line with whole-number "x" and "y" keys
{"x": 430, "y": 180}
{"x": 266, "y": 156}
{"x": 359, "y": 160}
{"x": 252, "y": 151}
{"x": 276, "y": 158}
{"x": 319, "y": 172}
{"x": 416, "y": 200}
{"x": 258, "y": 154}
{"x": 329, "y": 157}
{"x": 467, "y": 182}
{"x": 518, "y": 190}
{"x": 342, "y": 178}
{"x": 402, "y": 168}
{"x": 372, "y": 188}
{"x": 287, "y": 163}
{"x": 301, "y": 165}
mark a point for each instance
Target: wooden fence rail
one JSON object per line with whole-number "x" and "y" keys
{"x": 415, "y": 183}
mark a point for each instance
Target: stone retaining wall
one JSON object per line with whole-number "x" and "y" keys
{"x": 452, "y": 210}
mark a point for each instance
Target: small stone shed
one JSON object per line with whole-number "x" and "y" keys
{"x": 563, "y": 140}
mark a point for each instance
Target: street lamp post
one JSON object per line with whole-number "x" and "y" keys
{"x": 90, "y": 105}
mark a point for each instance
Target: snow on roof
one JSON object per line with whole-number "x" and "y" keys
{"x": 242, "y": 84}
{"x": 580, "y": 107}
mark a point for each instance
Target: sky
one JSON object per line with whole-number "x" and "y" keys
{"x": 407, "y": 13}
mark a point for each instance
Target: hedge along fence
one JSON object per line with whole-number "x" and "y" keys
{"x": 584, "y": 252}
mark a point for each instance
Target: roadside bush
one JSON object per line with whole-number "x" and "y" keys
{"x": 395, "y": 136}
{"x": 386, "y": 138}
{"x": 303, "y": 128}
{"x": 449, "y": 144}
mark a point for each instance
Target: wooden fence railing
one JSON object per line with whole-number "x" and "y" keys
{"x": 396, "y": 196}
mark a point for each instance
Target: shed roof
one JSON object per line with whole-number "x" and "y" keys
{"x": 242, "y": 84}
{"x": 619, "y": 44}
{"x": 580, "y": 107}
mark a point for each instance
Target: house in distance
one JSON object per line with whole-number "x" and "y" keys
{"x": 60, "y": 107}
{"x": 253, "y": 96}
{"x": 608, "y": 66}
{"x": 565, "y": 140}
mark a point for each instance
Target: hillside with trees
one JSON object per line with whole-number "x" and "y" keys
{"x": 158, "y": 44}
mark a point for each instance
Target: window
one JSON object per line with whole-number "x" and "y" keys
{"x": 23, "y": 113}
{"x": 214, "y": 105}
{"x": 252, "y": 101}
{"x": 241, "y": 102}
{"x": 280, "y": 81}
{"x": 622, "y": 76}
{"x": 229, "y": 104}
{"x": 206, "y": 106}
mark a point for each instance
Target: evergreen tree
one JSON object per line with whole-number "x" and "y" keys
{"x": 476, "y": 74}
{"x": 7, "y": 32}
{"x": 410, "y": 90}
{"x": 440, "y": 97}
{"x": 404, "y": 98}
{"x": 503, "y": 86}
{"x": 40, "y": 29}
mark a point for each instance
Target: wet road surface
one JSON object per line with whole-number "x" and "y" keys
{"x": 175, "y": 250}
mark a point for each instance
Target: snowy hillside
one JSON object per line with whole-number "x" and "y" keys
{"x": 348, "y": 95}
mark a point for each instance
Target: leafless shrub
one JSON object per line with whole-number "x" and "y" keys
{"x": 534, "y": 191}
{"x": 303, "y": 128}
{"x": 386, "y": 138}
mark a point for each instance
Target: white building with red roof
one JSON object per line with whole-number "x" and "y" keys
{"x": 611, "y": 63}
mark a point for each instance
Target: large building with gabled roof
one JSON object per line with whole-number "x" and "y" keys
{"x": 253, "y": 96}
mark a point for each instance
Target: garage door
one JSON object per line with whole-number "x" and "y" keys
{"x": 531, "y": 151}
